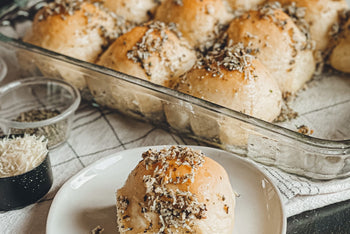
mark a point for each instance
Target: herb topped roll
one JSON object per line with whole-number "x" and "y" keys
{"x": 230, "y": 76}
{"x": 176, "y": 190}
{"x": 319, "y": 15}
{"x": 153, "y": 51}
{"x": 278, "y": 43}
{"x": 79, "y": 29}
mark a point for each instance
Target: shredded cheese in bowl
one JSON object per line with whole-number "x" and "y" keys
{"x": 21, "y": 154}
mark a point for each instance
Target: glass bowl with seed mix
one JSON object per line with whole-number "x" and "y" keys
{"x": 38, "y": 106}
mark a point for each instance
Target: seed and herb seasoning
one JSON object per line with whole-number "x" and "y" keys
{"x": 55, "y": 133}
{"x": 36, "y": 115}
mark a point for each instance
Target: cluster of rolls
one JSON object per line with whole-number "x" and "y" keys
{"x": 243, "y": 55}
{"x": 240, "y": 54}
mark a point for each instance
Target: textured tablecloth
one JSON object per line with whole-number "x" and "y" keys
{"x": 97, "y": 133}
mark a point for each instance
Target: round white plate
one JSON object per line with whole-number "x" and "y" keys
{"x": 88, "y": 198}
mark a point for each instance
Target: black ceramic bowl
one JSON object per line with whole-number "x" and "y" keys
{"x": 27, "y": 188}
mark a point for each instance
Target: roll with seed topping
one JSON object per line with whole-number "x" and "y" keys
{"x": 154, "y": 52}
{"x": 176, "y": 190}
{"x": 231, "y": 77}
{"x": 278, "y": 44}
{"x": 320, "y": 15}
{"x": 79, "y": 29}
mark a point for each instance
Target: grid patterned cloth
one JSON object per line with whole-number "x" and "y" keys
{"x": 97, "y": 133}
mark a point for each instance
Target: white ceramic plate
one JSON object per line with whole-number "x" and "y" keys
{"x": 88, "y": 198}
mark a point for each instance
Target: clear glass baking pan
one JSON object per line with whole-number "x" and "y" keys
{"x": 323, "y": 107}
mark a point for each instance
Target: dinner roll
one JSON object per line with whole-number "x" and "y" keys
{"x": 320, "y": 15}
{"x": 176, "y": 190}
{"x": 74, "y": 28}
{"x": 132, "y": 10}
{"x": 278, "y": 44}
{"x": 153, "y": 52}
{"x": 340, "y": 56}
{"x": 198, "y": 20}
{"x": 230, "y": 77}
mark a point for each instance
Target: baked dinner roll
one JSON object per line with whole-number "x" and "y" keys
{"x": 74, "y": 28}
{"x": 320, "y": 15}
{"x": 278, "y": 44}
{"x": 340, "y": 56}
{"x": 231, "y": 77}
{"x": 133, "y": 10}
{"x": 153, "y": 52}
{"x": 198, "y": 20}
{"x": 176, "y": 190}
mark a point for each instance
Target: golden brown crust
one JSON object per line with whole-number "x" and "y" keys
{"x": 133, "y": 10}
{"x": 282, "y": 48}
{"x": 244, "y": 4}
{"x": 320, "y": 15}
{"x": 79, "y": 32}
{"x": 205, "y": 201}
{"x": 234, "y": 79}
{"x": 198, "y": 20}
{"x": 152, "y": 52}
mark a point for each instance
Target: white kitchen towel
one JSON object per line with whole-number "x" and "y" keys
{"x": 300, "y": 194}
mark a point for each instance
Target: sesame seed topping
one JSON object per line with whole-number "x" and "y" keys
{"x": 152, "y": 42}
{"x": 232, "y": 57}
{"x": 67, "y": 8}
{"x": 175, "y": 208}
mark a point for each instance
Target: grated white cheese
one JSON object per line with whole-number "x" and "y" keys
{"x": 21, "y": 154}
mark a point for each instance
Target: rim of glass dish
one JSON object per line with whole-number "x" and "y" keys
{"x": 3, "y": 69}
{"x": 320, "y": 143}
{"x": 35, "y": 81}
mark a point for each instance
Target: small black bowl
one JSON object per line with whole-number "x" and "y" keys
{"x": 21, "y": 190}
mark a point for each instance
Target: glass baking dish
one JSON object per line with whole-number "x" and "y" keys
{"x": 324, "y": 107}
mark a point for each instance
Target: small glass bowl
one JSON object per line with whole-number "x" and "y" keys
{"x": 40, "y": 106}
